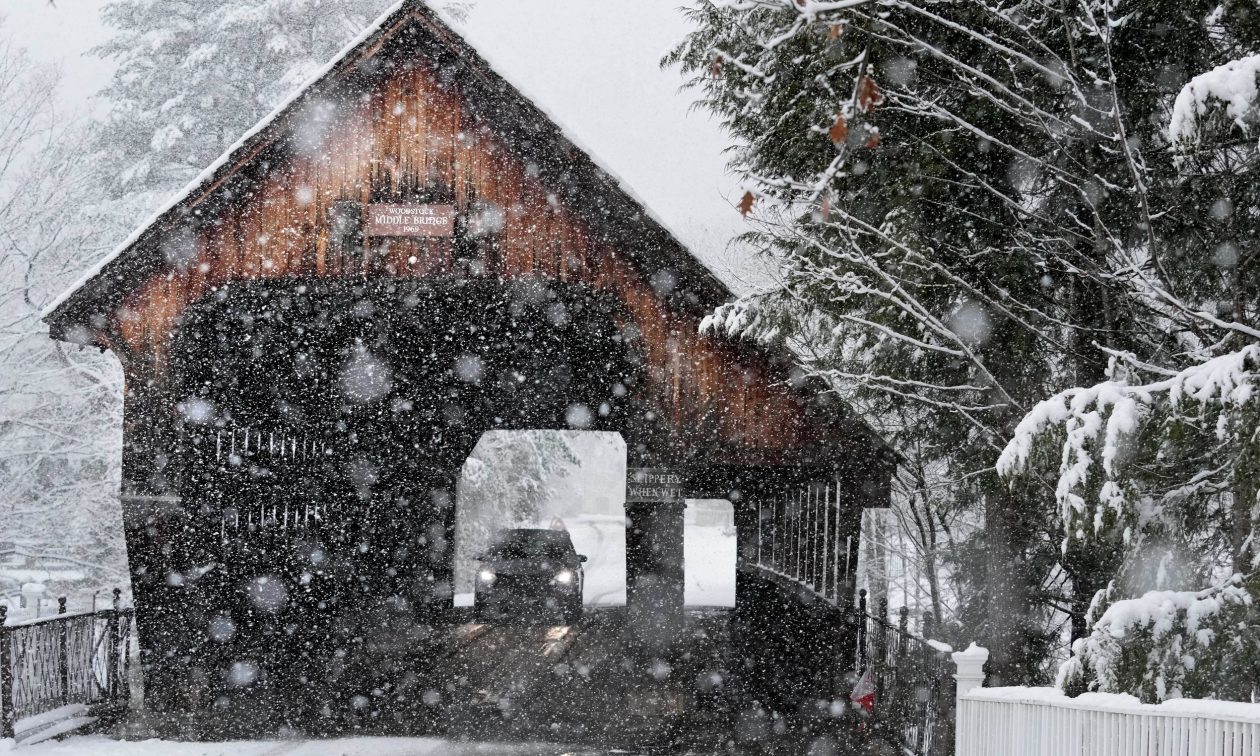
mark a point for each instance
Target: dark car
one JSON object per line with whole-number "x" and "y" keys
{"x": 530, "y": 571}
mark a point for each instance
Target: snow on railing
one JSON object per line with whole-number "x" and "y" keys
{"x": 1045, "y": 722}
{"x": 61, "y": 667}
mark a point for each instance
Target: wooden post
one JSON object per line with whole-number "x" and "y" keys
{"x": 862, "y": 630}
{"x": 903, "y": 688}
{"x": 6, "y": 678}
{"x": 654, "y": 556}
{"x": 63, "y": 656}
{"x": 116, "y": 655}
{"x": 879, "y": 655}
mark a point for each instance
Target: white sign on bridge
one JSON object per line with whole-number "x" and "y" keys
{"x": 654, "y": 484}
{"x": 411, "y": 220}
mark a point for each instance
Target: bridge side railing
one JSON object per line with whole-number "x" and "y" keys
{"x": 805, "y": 541}
{"x": 61, "y": 660}
{"x": 913, "y": 680}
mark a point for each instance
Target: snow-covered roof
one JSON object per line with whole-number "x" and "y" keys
{"x": 704, "y": 233}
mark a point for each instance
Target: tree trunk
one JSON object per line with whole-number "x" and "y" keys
{"x": 1007, "y": 593}
{"x": 1084, "y": 587}
{"x": 1244, "y": 549}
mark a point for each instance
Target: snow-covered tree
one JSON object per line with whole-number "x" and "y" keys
{"x": 193, "y": 77}
{"x": 60, "y": 410}
{"x": 1172, "y": 644}
{"x": 1159, "y": 462}
{"x": 974, "y": 207}
{"x": 1169, "y": 464}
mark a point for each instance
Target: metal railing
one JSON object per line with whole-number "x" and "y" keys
{"x": 63, "y": 659}
{"x": 804, "y": 535}
{"x": 913, "y": 679}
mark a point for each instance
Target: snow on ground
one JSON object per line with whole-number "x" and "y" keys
{"x": 709, "y": 554}
{"x": 602, "y": 538}
{"x": 100, "y": 746}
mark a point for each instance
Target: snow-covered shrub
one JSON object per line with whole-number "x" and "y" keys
{"x": 1226, "y": 94}
{"x": 1162, "y": 474}
{"x": 1163, "y": 469}
{"x": 1172, "y": 644}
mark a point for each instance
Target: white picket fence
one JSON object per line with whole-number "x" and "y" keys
{"x": 1044, "y": 722}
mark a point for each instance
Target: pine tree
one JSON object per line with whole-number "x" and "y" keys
{"x": 973, "y": 207}
{"x": 193, "y": 77}
{"x": 1161, "y": 459}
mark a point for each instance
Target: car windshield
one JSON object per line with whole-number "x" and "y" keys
{"x": 524, "y": 544}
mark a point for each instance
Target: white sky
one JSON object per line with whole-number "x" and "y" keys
{"x": 593, "y": 66}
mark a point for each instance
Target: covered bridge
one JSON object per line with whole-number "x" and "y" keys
{"x": 318, "y": 330}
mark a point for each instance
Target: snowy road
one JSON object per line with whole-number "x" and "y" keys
{"x": 369, "y": 746}
{"x": 502, "y": 668}
{"x": 514, "y": 686}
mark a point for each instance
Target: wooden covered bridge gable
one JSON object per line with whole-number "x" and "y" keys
{"x": 412, "y": 115}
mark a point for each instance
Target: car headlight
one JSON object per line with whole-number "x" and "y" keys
{"x": 565, "y": 577}
{"x": 486, "y": 576}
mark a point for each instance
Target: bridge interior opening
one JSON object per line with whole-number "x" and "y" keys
{"x": 709, "y": 546}
{"x": 570, "y": 480}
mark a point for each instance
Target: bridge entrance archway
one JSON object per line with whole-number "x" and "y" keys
{"x": 570, "y": 480}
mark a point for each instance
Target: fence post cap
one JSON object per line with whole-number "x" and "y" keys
{"x": 972, "y": 654}
{"x": 969, "y": 668}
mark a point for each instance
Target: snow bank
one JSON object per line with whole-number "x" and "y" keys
{"x": 1233, "y": 84}
{"x": 367, "y": 746}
